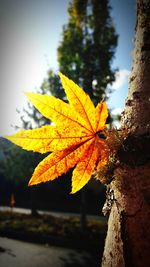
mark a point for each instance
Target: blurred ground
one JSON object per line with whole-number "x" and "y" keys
{"x": 14, "y": 253}
{"x": 50, "y": 239}
{"x": 56, "y": 231}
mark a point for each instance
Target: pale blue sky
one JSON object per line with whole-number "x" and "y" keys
{"x": 30, "y": 32}
{"x": 123, "y": 13}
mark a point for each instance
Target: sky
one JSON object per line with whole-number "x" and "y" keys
{"x": 30, "y": 32}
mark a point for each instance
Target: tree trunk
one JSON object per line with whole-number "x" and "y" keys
{"x": 128, "y": 238}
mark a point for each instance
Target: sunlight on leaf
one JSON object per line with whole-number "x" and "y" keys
{"x": 75, "y": 140}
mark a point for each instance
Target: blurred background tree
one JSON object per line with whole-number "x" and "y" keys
{"x": 88, "y": 46}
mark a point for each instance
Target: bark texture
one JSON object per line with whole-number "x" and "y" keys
{"x": 128, "y": 239}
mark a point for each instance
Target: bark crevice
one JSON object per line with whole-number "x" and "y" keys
{"x": 127, "y": 248}
{"x": 135, "y": 150}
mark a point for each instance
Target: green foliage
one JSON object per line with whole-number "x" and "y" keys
{"x": 54, "y": 85}
{"x": 88, "y": 45}
{"x": 17, "y": 165}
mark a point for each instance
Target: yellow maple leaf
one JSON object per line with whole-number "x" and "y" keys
{"x": 75, "y": 139}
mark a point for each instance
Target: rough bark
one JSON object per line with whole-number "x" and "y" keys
{"x": 128, "y": 239}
